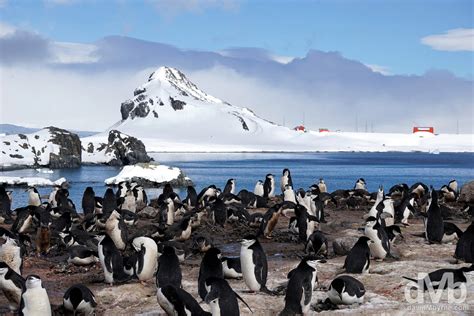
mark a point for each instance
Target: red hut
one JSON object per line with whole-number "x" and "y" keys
{"x": 418, "y": 129}
{"x": 300, "y": 128}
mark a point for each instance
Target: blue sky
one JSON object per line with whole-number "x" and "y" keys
{"x": 383, "y": 33}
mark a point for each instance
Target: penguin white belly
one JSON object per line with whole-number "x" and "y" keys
{"x": 289, "y": 195}
{"x": 449, "y": 238}
{"x": 109, "y": 276}
{"x": 376, "y": 248}
{"x": 116, "y": 236}
{"x": 372, "y": 212}
{"x": 85, "y": 308}
{"x": 82, "y": 261}
{"x": 186, "y": 234}
{"x": 248, "y": 269}
{"x": 215, "y": 308}
{"x": 11, "y": 255}
{"x": 406, "y": 213}
{"x": 167, "y": 306}
{"x": 309, "y": 229}
{"x": 26, "y": 224}
{"x": 230, "y": 273}
{"x": 150, "y": 264}
{"x": 334, "y": 297}
{"x": 349, "y": 300}
{"x": 170, "y": 217}
{"x": 36, "y": 302}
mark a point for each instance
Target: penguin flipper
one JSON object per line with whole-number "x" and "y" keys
{"x": 410, "y": 279}
{"x": 242, "y": 300}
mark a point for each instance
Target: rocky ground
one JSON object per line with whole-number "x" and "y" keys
{"x": 384, "y": 284}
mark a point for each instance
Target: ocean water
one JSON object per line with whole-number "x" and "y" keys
{"x": 339, "y": 170}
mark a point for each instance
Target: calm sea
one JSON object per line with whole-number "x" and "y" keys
{"x": 340, "y": 170}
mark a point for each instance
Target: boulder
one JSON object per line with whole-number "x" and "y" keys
{"x": 128, "y": 150}
{"x": 149, "y": 212}
{"x": 343, "y": 245}
{"x": 467, "y": 193}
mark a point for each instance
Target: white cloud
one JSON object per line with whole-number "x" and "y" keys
{"x": 73, "y": 53}
{"x": 452, "y": 40}
{"x": 384, "y": 70}
{"x": 6, "y": 29}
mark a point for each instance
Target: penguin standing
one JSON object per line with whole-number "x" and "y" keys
{"x": 374, "y": 209}
{"x": 191, "y": 198}
{"x": 405, "y": 209}
{"x": 317, "y": 244}
{"x": 5, "y": 205}
{"x": 269, "y": 186}
{"x": 34, "y": 198}
{"x": 34, "y": 299}
{"x": 10, "y": 253}
{"x": 147, "y": 257}
{"x": 11, "y": 284}
{"x": 111, "y": 261}
{"x": 169, "y": 271}
{"x": 322, "y": 186}
{"x": 211, "y": 266}
{"x": 258, "y": 190}
{"x": 434, "y": 226}
{"x": 80, "y": 300}
{"x": 43, "y": 239}
{"x": 176, "y": 301}
{"x": 346, "y": 290}
{"x": 254, "y": 264}
{"x": 117, "y": 230}
{"x": 289, "y": 194}
{"x": 109, "y": 203}
{"x": 129, "y": 202}
{"x": 453, "y": 185}
{"x": 360, "y": 184}
{"x": 285, "y": 180}
{"x": 380, "y": 246}
{"x": 270, "y": 219}
{"x": 300, "y": 287}
{"x": 358, "y": 258}
{"x": 88, "y": 201}
{"x": 222, "y": 299}
{"x": 229, "y": 187}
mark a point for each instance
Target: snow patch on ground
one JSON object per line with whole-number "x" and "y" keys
{"x": 150, "y": 172}
{"x": 31, "y": 181}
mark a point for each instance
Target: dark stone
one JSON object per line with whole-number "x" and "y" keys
{"x": 16, "y": 156}
{"x": 141, "y": 97}
{"x": 90, "y": 148}
{"x": 22, "y": 136}
{"x": 138, "y": 91}
{"x": 70, "y": 149}
{"x": 141, "y": 110}
{"x": 177, "y": 104}
{"x": 242, "y": 121}
{"x": 161, "y": 103}
{"x": 155, "y": 114}
{"x": 24, "y": 146}
{"x": 125, "y": 108}
{"x": 37, "y": 137}
{"x": 6, "y": 143}
{"x": 128, "y": 150}
{"x": 151, "y": 101}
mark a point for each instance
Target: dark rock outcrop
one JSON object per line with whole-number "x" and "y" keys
{"x": 121, "y": 148}
{"x": 128, "y": 150}
{"x": 125, "y": 108}
{"x": 69, "y": 155}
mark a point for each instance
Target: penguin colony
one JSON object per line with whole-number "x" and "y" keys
{"x": 105, "y": 234}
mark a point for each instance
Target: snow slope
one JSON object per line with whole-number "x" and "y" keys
{"x": 171, "y": 114}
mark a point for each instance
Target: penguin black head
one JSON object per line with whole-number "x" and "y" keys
{"x": 370, "y": 219}
{"x": 33, "y": 281}
{"x": 286, "y": 172}
{"x": 365, "y": 239}
{"x": 248, "y": 240}
{"x": 168, "y": 250}
{"x": 4, "y": 268}
{"x": 214, "y": 252}
{"x": 338, "y": 285}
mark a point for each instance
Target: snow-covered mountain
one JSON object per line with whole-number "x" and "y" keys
{"x": 170, "y": 113}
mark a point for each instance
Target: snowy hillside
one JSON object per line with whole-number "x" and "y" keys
{"x": 171, "y": 114}
{"x": 51, "y": 146}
